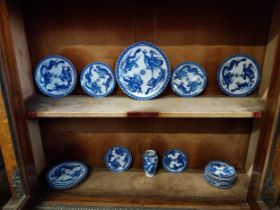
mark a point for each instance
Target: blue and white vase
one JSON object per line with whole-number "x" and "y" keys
{"x": 150, "y": 163}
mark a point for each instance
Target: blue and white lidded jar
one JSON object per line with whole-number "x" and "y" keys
{"x": 150, "y": 163}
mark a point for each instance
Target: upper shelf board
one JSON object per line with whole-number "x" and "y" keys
{"x": 165, "y": 107}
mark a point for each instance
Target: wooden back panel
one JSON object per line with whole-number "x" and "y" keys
{"x": 186, "y": 30}
{"x": 202, "y": 139}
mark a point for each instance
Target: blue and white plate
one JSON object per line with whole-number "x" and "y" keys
{"x": 220, "y": 170}
{"x": 239, "y": 75}
{"x": 55, "y": 76}
{"x": 97, "y": 80}
{"x": 188, "y": 79}
{"x": 143, "y": 71}
{"x": 67, "y": 175}
{"x": 174, "y": 160}
{"x": 118, "y": 159}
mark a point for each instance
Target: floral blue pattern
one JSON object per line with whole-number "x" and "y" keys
{"x": 66, "y": 175}
{"x": 174, "y": 160}
{"x": 118, "y": 159}
{"x": 97, "y": 79}
{"x": 55, "y": 76}
{"x": 150, "y": 163}
{"x": 142, "y": 71}
{"x": 188, "y": 79}
{"x": 239, "y": 75}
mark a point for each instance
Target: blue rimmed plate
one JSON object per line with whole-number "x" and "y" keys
{"x": 174, "y": 160}
{"x": 118, "y": 159}
{"x": 143, "y": 71}
{"x": 239, "y": 75}
{"x": 55, "y": 76}
{"x": 97, "y": 80}
{"x": 66, "y": 175}
{"x": 220, "y": 170}
{"x": 188, "y": 79}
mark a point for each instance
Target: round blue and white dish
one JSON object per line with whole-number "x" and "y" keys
{"x": 220, "y": 170}
{"x": 188, "y": 79}
{"x": 239, "y": 75}
{"x": 174, "y": 160}
{"x": 55, "y": 76}
{"x": 143, "y": 71}
{"x": 97, "y": 80}
{"x": 118, "y": 159}
{"x": 66, "y": 175}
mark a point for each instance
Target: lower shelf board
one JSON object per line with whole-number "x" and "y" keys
{"x": 165, "y": 107}
{"x": 133, "y": 184}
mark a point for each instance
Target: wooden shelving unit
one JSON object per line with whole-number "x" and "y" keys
{"x": 163, "y": 107}
{"x": 211, "y": 126}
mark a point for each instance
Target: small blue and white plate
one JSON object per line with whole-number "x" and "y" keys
{"x": 239, "y": 75}
{"x": 55, "y": 76}
{"x": 174, "y": 160}
{"x": 220, "y": 170}
{"x": 143, "y": 71}
{"x": 66, "y": 175}
{"x": 97, "y": 80}
{"x": 188, "y": 79}
{"x": 118, "y": 159}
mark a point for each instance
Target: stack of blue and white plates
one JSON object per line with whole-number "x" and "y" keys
{"x": 220, "y": 174}
{"x": 67, "y": 175}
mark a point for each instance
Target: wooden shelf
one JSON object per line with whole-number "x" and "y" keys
{"x": 167, "y": 107}
{"x": 134, "y": 184}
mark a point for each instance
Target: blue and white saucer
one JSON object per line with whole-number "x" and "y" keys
{"x": 239, "y": 75}
{"x": 220, "y": 170}
{"x": 143, "y": 71}
{"x": 66, "y": 175}
{"x": 55, "y": 76}
{"x": 97, "y": 80}
{"x": 118, "y": 159}
{"x": 188, "y": 79}
{"x": 174, "y": 160}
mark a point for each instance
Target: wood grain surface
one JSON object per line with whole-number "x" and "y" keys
{"x": 192, "y": 31}
{"x": 202, "y": 139}
{"x": 164, "y": 107}
{"x": 168, "y": 186}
